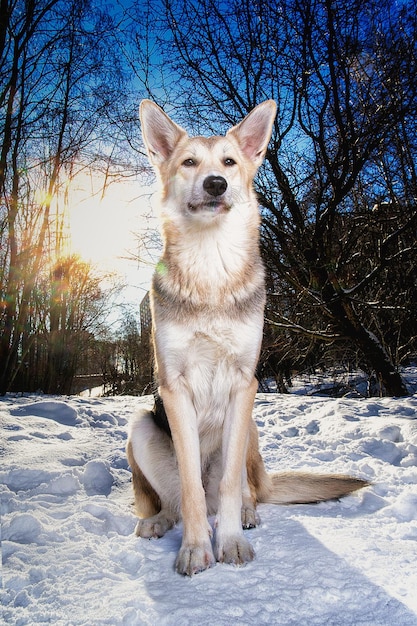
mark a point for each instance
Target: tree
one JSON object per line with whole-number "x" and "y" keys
{"x": 77, "y": 307}
{"x": 344, "y": 80}
{"x": 67, "y": 312}
{"x": 58, "y": 103}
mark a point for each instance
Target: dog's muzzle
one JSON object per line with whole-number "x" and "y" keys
{"x": 215, "y": 203}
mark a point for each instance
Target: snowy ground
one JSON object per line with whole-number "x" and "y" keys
{"x": 70, "y": 556}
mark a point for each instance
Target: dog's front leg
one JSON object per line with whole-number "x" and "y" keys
{"x": 231, "y": 546}
{"x": 196, "y": 553}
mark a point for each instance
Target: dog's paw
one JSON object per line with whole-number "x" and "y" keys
{"x": 193, "y": 559}
{"x": 235, "y": 550}
{"x": 154, "y": 527}
{"x": 250, "y": 517}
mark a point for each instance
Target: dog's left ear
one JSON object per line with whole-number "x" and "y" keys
{"x": 254, "y": 131}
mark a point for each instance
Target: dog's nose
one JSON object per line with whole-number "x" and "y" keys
{"x": 215, "y": 185}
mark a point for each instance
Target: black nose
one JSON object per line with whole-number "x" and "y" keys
{"x": 215, "y": 185}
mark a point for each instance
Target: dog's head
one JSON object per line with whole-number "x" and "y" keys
{"x": 203, "y": 178}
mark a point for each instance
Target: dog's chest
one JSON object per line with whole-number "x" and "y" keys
{"x": 209, "y": 359}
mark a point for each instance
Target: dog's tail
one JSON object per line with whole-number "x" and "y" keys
{"x": 293, "y": 487}
{"x": 304, "y": 488}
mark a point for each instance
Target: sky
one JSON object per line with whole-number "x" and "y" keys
{"x": 107, "y": 231}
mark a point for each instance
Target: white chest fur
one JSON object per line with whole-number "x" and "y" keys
{"x": 208, "y": 358}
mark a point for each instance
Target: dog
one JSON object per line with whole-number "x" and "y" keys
{"x": 196, "y": 454}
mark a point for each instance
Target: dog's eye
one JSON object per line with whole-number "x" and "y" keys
{"x": 189, "y": 163}
{"x": 229, "y": 162}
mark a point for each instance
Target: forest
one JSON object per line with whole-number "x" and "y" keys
{"x": 337, "y": 192}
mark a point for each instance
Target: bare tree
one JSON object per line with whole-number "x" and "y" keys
{"x": 60, "y": 91}
{"x": 343, "y": 76}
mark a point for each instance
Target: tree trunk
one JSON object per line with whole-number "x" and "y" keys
{"x": 372, "y": 350}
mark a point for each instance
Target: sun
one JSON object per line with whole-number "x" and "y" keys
{"x": 104, "y": 227}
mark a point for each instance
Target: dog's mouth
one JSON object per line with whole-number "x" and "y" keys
{"x": 212, "y": 207}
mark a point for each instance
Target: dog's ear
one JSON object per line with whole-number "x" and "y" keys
{"x": 254, "y": 131}
{"x": 159, "y": 132}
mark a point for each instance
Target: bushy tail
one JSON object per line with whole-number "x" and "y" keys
{"x": 304, "y": 488}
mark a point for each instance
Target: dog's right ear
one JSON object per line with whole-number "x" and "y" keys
{"x": 159, "y": 132}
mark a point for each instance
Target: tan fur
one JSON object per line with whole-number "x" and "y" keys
{"x": 207, "y": 303}
{"x": 147, "y": 501}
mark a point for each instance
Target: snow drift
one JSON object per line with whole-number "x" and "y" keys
{"x": 70, "y": 556}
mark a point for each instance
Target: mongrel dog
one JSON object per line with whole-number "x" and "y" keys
{"x": 196, "y": 453}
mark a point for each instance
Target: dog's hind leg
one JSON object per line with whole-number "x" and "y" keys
{"x": 154, "y": 475}
{"x": 256, "y": 483}
{"x": 253, "y": 478}
{"x": 147, "y": 501}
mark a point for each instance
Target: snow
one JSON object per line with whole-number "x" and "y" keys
{"x": 70, "y": 556}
